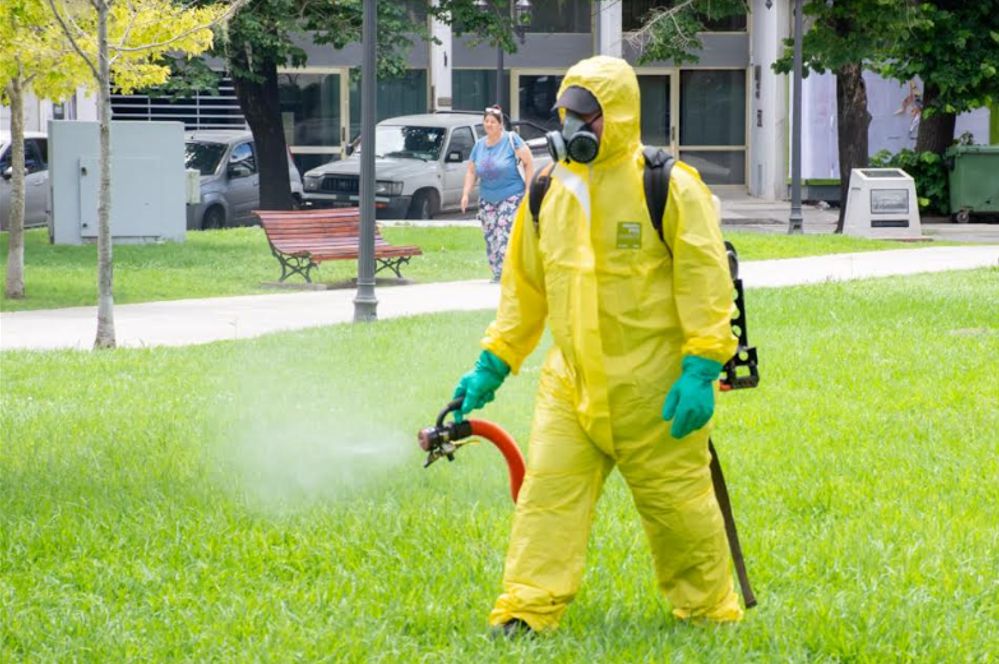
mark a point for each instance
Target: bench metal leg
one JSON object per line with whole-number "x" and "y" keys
{"x": 294, "y": 265}
{"x": 392, "y": 264}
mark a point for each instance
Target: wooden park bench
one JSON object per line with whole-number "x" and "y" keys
{"x": 302, "y": 239}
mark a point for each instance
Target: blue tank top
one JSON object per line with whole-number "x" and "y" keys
{"x": 496, "y": 167}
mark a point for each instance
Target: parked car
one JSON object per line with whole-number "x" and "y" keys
{"x": 230, "y": 181}
{"x": 36, "y": 181}
{"x": 420, "y": 165}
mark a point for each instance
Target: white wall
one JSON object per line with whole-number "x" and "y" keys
{"x": 768, "y": 106}
{"x": 440, "y": 66}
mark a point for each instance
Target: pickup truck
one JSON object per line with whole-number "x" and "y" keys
{"x": 420, "y": 165}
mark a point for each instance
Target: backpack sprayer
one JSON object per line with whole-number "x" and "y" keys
{"x": 741, "y": 371}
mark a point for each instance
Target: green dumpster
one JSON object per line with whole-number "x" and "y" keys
{"x": 974, "y": 179}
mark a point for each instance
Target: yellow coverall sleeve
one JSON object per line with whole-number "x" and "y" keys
{"x": 701, "y": 281}
{"x": 523, "y": 307}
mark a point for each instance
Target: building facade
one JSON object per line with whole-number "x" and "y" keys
{"x": 727, "y": 114}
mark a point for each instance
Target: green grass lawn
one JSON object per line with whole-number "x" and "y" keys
{"x": 264, "y": 500}
{"x": 239, "y": 262}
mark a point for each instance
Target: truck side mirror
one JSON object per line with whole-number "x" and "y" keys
{"x": 8, "y": 173}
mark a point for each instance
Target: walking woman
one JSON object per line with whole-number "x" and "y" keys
{"x": 494, "y": 161}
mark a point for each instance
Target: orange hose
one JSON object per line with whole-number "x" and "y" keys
{"x": 507, "y": 446}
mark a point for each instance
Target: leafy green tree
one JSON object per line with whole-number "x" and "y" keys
{"x": 953, "y": 47}
{"x": 33, "y": 56}
{"x": 126, "y": 38}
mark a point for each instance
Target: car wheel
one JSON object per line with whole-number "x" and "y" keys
{"x": 214, "y": 218}
{"x": 423, "y": 205}
{"x": 296, "y": 202}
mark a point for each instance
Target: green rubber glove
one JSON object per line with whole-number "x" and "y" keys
{"x": 691, "y": 401}
{"x": 479, "y": 385}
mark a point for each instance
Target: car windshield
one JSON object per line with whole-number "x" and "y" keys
{"x": 407, "y": 141}
{"x": 203, "y": 156}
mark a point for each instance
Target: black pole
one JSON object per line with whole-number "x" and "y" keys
{"x": 365, "y": 302}
{"x": 499, "y": 78}
{"x": 794, "y": 222}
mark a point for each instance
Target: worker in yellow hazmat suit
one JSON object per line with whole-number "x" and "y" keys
{"x": 642, "y": 327}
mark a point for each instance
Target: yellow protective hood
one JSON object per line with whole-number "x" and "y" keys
{"x": 613, "y": 82}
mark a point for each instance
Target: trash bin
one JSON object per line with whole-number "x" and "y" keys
{"x": 974, "y": 180}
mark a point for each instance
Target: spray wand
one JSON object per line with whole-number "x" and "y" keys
{"x": 444, "y": 439}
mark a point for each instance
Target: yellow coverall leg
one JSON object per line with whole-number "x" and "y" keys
{"x": 551, "y": 525}
{"x": 671, "y": 485}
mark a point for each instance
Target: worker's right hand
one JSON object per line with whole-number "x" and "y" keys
{"x": 478, "y": 386}
{"x": 464, "y": 202}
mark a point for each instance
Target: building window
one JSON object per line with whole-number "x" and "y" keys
{"x": 712, "y": 118}
{"x": 712, "y": 107}
{"x": 537, "y": 96}
{"x": 474, "y": 89}
{"x": 634, "y": 13}
{"x": 561, "y": 16}
{"x": 310, "y": 108}
{"x": 416, "y": 11}
{"x": 655, "y": 94}
{"x": 406, "y": 95}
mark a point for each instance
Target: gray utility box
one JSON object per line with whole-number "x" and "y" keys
{"x": 148, "y": 181}
{"x": 882, "y": 204}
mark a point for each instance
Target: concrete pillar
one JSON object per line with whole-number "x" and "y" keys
{"x": 608, "y": 27}
{"x": 440, "y": 66}
{"x": 768, "y": 101}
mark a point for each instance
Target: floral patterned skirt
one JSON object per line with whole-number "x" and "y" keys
{"x": 497, "y": 220}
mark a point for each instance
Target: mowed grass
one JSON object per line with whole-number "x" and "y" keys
{"x": 238, "y": 262}
{"x": 265, "y": 501}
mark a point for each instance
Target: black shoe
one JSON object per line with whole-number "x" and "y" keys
{"x": 513, "y": 629}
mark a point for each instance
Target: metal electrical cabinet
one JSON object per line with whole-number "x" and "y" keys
{"x": 148, "y": 181}
{"x": 974, "y": 179}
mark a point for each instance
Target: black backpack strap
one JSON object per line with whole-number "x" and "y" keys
{"x": 658, "y": 166}
{"x": 539, "y": 187}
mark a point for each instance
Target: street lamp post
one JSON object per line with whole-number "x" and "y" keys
{"x": 521, "y": 19}
{"x": 365, "y": 302}
{"x": 794, "y": 221}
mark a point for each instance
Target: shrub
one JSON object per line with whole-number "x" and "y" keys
{"x": 927, "y": 169}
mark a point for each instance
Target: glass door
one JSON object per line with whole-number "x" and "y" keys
{"x": 658, "y": 112}
{"x": 534, "y": 94}
{"x": 712, "y": 125}
{"x": 315, "y": 114}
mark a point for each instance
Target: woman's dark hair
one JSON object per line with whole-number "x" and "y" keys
{"x": 496, "y": 111}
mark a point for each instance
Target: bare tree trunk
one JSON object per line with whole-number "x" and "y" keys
{"x": 260, "y": 103}
{"x": 14, "y": 287}
{"x": 936, "y": 132}
{"x": 853, "y": 120}
{"x": 105, "y": 297}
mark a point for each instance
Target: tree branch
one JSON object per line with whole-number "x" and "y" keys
{"x": 235, "y": 6}
{"x": 72, "y": 40}
{"x": 133, "y": 16}
{"x": 645, "y": 34}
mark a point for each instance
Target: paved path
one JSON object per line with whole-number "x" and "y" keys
{"x": 182, "y": 322}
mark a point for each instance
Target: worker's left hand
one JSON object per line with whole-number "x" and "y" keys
{"x": 691, "y": 401}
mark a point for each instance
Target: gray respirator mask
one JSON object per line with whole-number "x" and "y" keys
{"x": 575, "y": 142}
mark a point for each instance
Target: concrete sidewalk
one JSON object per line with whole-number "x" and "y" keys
{"x": 184, "y": 322}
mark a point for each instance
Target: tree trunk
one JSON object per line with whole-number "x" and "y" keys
{"x": 936, "y": 133}
{"x": 259, "y": 101}
{"x": 14, "y": 287}
{"x": 853, "y": 120}
{"x": 105, "y": 298}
